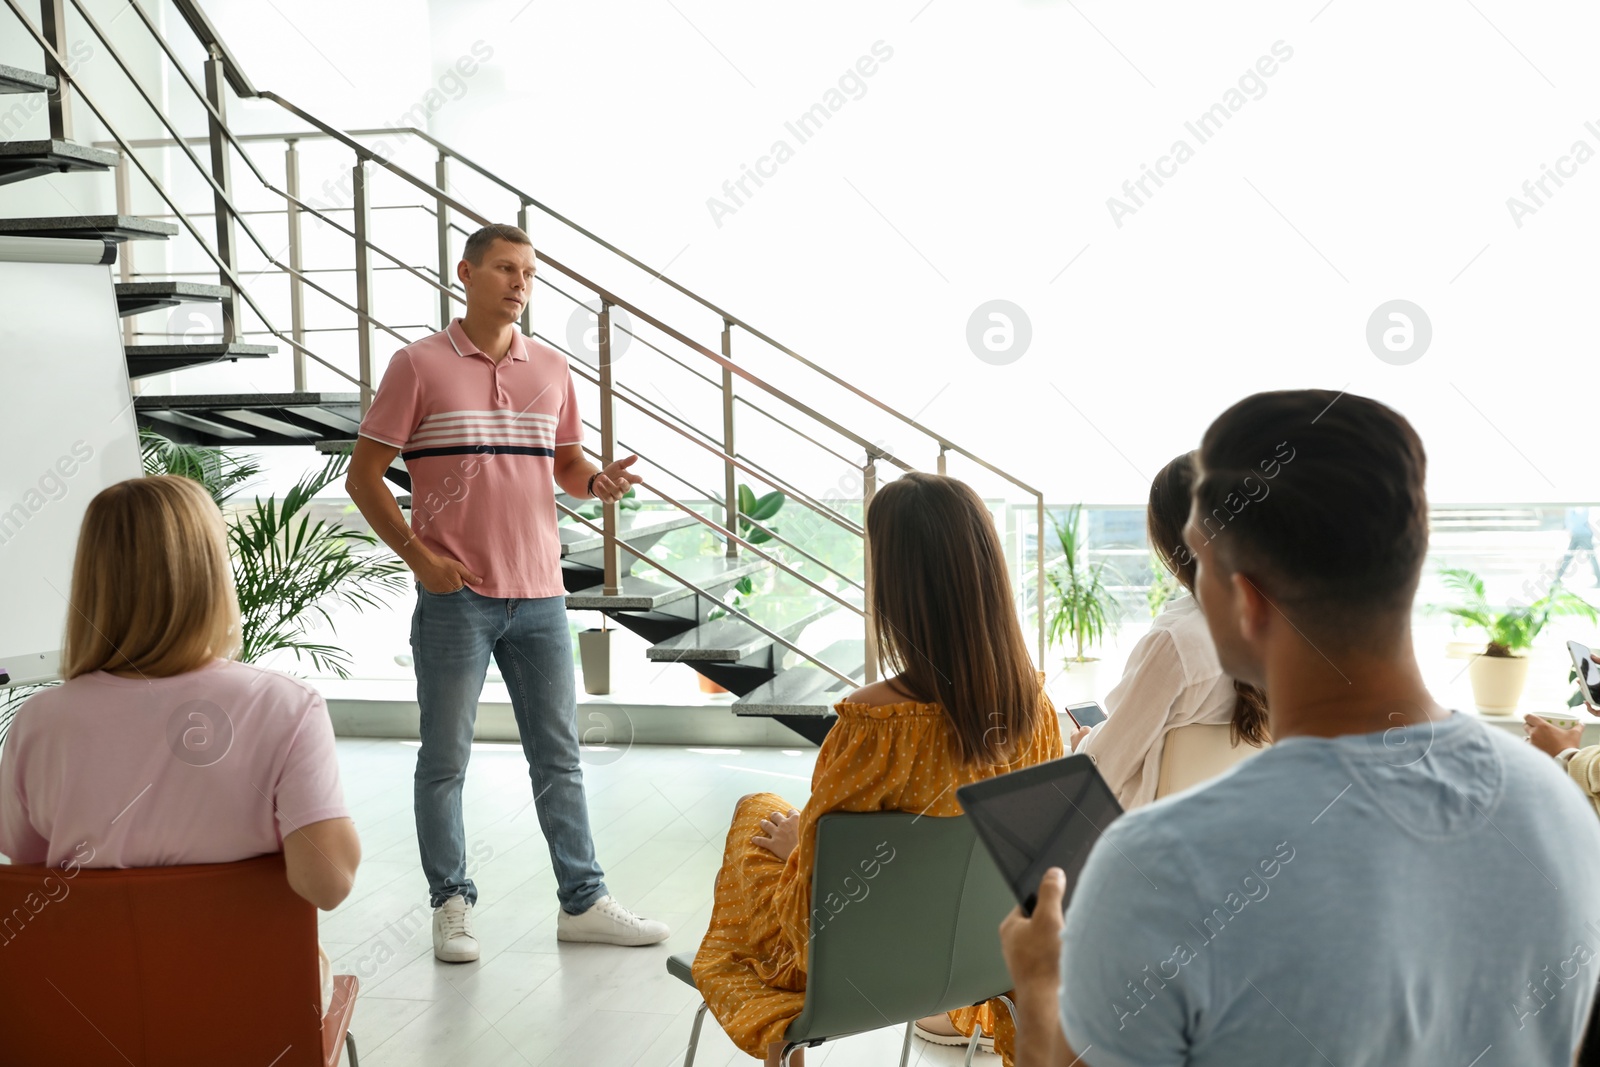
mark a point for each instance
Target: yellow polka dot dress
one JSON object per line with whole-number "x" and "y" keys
{"x": 751, "y": 967}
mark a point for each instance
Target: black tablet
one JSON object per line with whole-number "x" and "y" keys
{"x": 1047, "y": 815}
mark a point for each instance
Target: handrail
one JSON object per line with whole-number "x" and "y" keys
{"x": 209, "y": 39}
{"x": 737, "y": 461}
{"x": 730, "y": 609}
{"x": 712, "y": 499}
{"x": 330, "y": 132}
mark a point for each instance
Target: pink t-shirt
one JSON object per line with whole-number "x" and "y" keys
{"x": 207, "y": 767}
{"x": 479, "y": 439}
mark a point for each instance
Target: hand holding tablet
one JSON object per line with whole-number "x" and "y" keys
{"x": 1047, "y": 815}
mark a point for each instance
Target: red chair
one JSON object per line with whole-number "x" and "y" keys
{"x": 213, "y": 964}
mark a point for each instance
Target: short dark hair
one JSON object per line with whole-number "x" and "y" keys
{"x": 480, "y": 241}
{"x": 1321, "y": 495}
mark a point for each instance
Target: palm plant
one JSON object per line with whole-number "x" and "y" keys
{"x": 288, "y": 569}
{"x": 1514, "y": 629}
{"x": 219, "y": 471}
{"x": 1081, "y": 608}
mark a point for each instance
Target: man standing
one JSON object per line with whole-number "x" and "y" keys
{"x": 485, "y": 419}
{"x": 1391, "y": 884}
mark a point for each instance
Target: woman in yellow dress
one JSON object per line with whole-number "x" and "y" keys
{"x": 963, "y": 704}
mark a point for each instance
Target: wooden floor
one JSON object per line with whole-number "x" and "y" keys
{"x": 659, "y": 815}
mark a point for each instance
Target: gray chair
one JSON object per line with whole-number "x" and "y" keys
{"x": 916, "y": 936}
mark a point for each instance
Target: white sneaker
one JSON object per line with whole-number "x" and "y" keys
{"x": 610, "y": 923}
{"x": 452, "y": 932}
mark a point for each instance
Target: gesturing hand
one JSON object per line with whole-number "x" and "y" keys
{"x": 614, "y": 481}
{"x": 782, "y": 833}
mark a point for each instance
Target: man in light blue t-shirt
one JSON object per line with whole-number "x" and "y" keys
{"x": 1391, "y": 883}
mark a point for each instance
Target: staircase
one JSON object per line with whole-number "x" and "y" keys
{"x": 202, "y": 230}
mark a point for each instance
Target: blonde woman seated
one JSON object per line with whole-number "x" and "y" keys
{"x": 159, "y": 749}
{"x": 964, "y": 704}
{"x": 1172, "y": 677}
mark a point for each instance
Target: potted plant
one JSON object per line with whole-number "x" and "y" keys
{"x": 594, "y": 650}
{"x": 1500, "y": 671}
{"x": 1081, "y": 608}
{"x": 287, "y": 569}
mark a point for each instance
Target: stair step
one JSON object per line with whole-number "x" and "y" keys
{"x": 145, "y": 360}
{"x": 262, "y": 418}
{"x": 21, "y": 160}
{"x": 647, "y": 594}
{"x": 17, "y": 80}
{"x": 806, "y": 689}
{"x": 133, "y": 298}
{"x": 116, "y": 228}
{"x": 730, "y": 640}
{"x": 577, "y": 538}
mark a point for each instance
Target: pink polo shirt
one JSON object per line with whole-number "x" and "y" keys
{"x": 210, "y": 766}
{"x": 479, "y": 438}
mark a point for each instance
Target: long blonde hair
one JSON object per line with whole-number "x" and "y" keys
{"x": 152, "y": 588}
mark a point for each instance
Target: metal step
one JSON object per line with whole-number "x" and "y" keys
{"x": 711, "y": 573}
{"x": 114, "y": 228}
{"x": 134, "y": 298}
{"x": 145, "y": 360}
{"x": 21, "y": 160}
{"x": 17, "y": 80}
{"x": 257, "y": 418}
{"x": 732, "y": 640}
{"x": 806, "y": 689}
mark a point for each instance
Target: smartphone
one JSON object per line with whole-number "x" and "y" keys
{"x": 1588, "y": 674}
{"x": 1091, "y": 714}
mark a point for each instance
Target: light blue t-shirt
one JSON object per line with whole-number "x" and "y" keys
{"x": 1420, "y": 896}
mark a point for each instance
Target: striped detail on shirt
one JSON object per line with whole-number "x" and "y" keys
{"x": 504, "y": 432}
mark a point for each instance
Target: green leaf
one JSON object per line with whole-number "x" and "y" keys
{"x": 767, "y": 506}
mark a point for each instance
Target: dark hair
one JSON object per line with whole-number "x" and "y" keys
{"x": 943, "y": 615}
{"x": 1170, "y": 494}
{"x": 480, "y": 241}
{"x": 1319, "y": 497}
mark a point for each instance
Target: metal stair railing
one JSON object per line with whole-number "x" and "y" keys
{"x": 220, "y": 69}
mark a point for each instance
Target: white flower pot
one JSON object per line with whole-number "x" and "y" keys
{"x": 594, "y": 651}
{"x": 1497, "y": 683}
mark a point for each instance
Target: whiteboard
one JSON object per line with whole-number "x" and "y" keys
{"x": 67, "y": 430}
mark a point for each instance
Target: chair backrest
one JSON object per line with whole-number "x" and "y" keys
{"x": 905, "y": 912}
{"x": 158, "y": 967}
{"x": 1197, "y": 753}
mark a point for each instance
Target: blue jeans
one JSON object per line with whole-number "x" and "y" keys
{"x": 452, "y": 637}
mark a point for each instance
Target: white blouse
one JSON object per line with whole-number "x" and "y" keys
{"x": 1172, "y": 679}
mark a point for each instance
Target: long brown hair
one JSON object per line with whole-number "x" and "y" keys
{"x": 152, "y": 588}
{"x": 944, "y": 618}
{"x": 1171, "y": 494}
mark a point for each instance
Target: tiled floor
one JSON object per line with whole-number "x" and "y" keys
{"x": 659, "y": 816}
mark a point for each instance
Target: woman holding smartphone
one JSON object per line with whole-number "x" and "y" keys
{"x": 1172, "y": 678}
